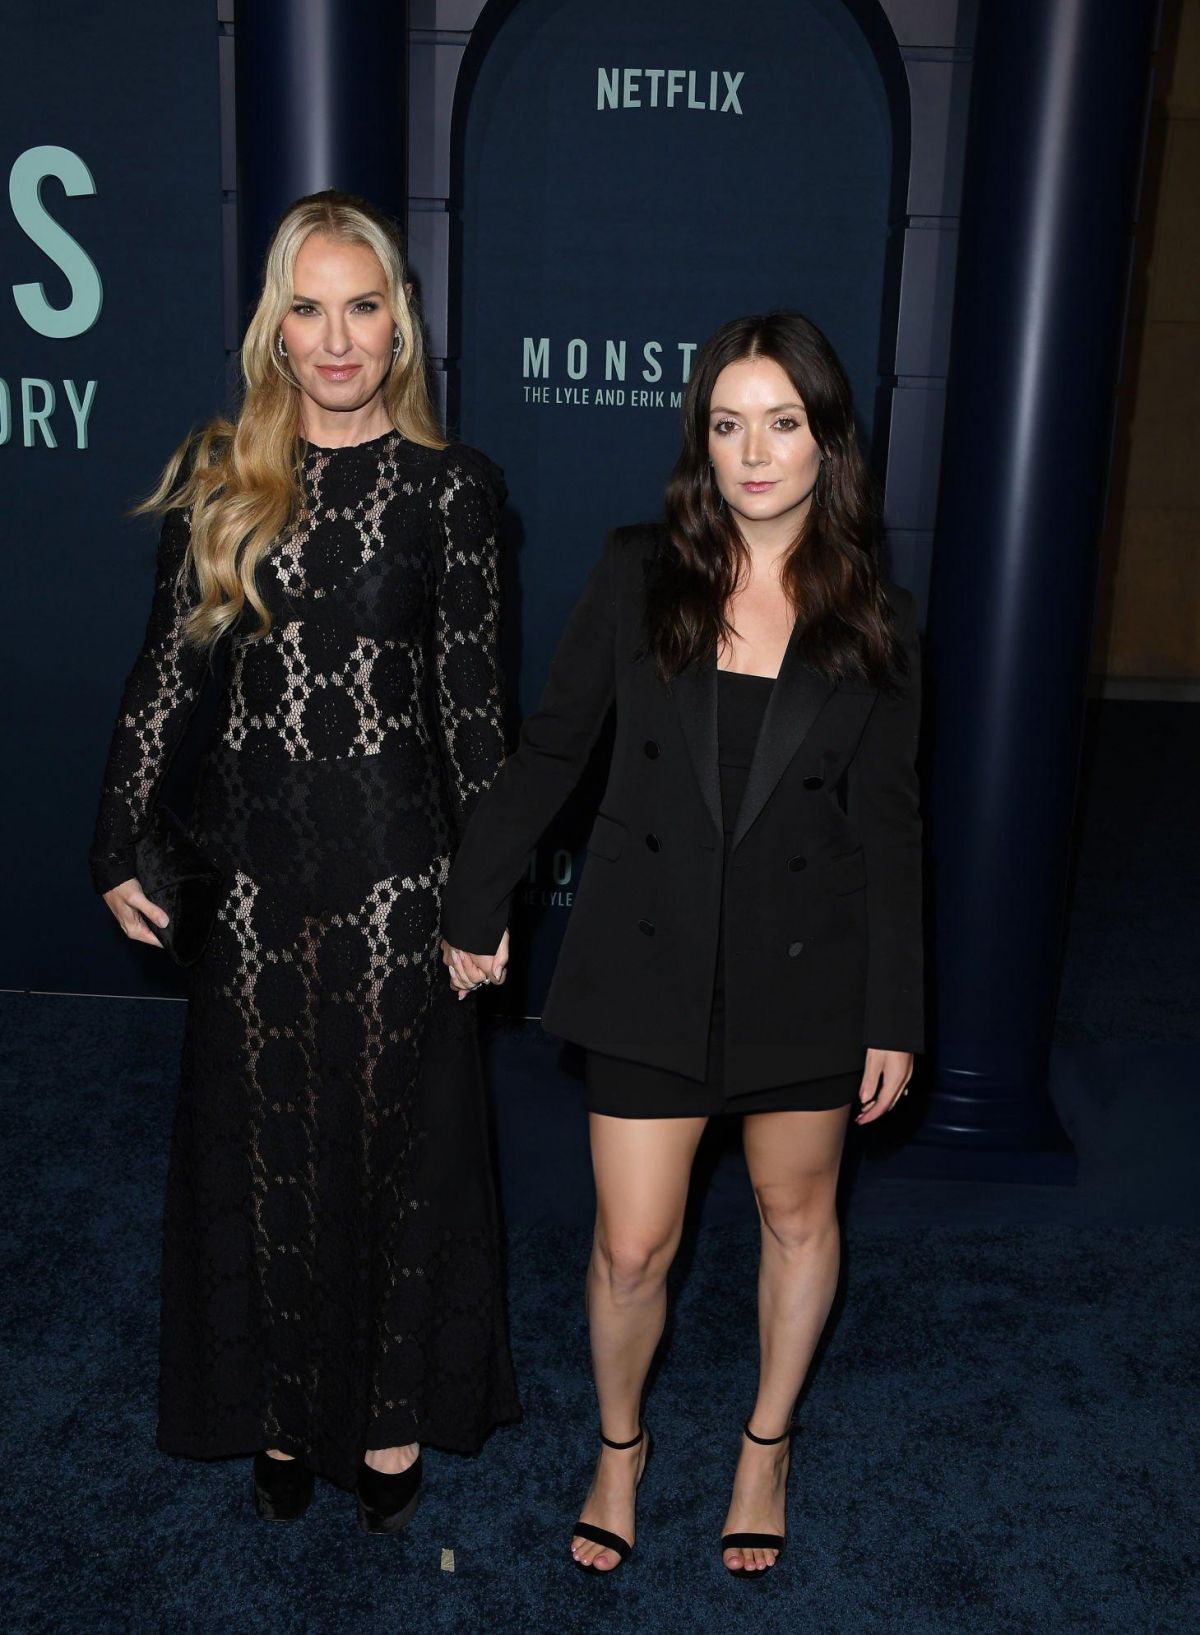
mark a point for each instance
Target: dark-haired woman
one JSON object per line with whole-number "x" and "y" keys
{"x": 746, "y": 938}
{"x": 331, "y": 1289}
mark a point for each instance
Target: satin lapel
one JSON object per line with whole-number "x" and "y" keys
{"x": 796, "y": 698}
{"x": 695, "y": 693}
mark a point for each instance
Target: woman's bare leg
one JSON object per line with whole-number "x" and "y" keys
{"x": 391, "y": 1461}
{"x": 793, "y": 1159}
{"x": 642, "y": 1168}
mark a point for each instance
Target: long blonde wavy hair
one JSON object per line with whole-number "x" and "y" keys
{"x": 241, "y": 480}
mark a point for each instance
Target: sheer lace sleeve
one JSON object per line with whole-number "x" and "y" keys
{"x": 160, "y": 693}
{"x": 469, "y": 698}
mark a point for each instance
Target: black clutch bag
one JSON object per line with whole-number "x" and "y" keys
{"x": 174, "y": 873}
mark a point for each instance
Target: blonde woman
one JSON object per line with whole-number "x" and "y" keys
{"x": 331, "y": 1286}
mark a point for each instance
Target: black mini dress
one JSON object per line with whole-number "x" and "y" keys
{"x": 627, "y": 1089}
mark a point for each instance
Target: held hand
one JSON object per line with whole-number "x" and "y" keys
{"x": 133, "y": 909}
{"x": 470, "y": 971}
{"x": 885, "y": 1079}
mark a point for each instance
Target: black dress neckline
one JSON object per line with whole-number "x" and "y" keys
{"x": 740, "y": 713}
{"x": 347, "y": 448}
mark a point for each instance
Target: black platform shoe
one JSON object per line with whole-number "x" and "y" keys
{"x": 386, "y": 1502}
{"x": 283, "y": 1488}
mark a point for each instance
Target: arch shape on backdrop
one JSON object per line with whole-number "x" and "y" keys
{"x": 613, "y": 210}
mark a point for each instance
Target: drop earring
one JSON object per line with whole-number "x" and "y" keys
{"x": 279, "y": 346}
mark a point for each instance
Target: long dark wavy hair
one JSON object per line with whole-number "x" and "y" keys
{"x": 830, "y": 571}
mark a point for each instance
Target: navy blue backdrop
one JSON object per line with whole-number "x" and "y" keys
{"x": 631, "y": 177}
{"x": 111, "y": 297}
{"x": 607, "y": 183}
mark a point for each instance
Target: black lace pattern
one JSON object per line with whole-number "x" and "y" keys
{"x": 331, "y": 1271}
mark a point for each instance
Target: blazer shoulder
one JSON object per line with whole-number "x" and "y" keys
{"x": 631, "y": 552}
{"x": 638, "y": 539}
{"x": 902, "y": 603}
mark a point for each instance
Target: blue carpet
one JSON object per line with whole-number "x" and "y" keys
{"x": 998, "y": 1437}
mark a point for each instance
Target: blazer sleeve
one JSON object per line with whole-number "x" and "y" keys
{"x": 555, "y": 742}
{"x": 882, "y": 801}
{"x": 157, "y": 702}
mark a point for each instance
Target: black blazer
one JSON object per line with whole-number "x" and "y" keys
{"x": 822, "y": 898}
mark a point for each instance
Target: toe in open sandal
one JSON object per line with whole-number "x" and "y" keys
{"x": 620, "y": 1547}
{"x": 756, "y": 1541}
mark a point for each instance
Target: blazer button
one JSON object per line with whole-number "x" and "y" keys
{"x": 814, "y": 782}
{"x": 645, "y": 928}
{"x": 797, "y": 863}
{"x": 654, "y": 843}
{"x": 650, "y": 750}
{"x": 795, "y": 948}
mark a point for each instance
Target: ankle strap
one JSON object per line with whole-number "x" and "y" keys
{"x": 620, "y": 1446}
{"x": 768, "y": 1441}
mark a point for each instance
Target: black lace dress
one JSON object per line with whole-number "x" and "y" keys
{"x": 331, "y": 1277}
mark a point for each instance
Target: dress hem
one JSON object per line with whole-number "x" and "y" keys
{"x": 246, "y": 1445}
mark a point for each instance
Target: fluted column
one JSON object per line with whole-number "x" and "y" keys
{"x": 1059, "y": 102}
{"x": 321, "y": 102}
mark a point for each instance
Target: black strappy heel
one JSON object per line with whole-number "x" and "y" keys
{"x": 620, "y": 1547}
{"x": 756, "y": 1541}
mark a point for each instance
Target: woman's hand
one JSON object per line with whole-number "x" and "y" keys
{"x": 885, "y": 1079}
{"x": 470, "y": 971}
{"x": 133, "y": 909}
